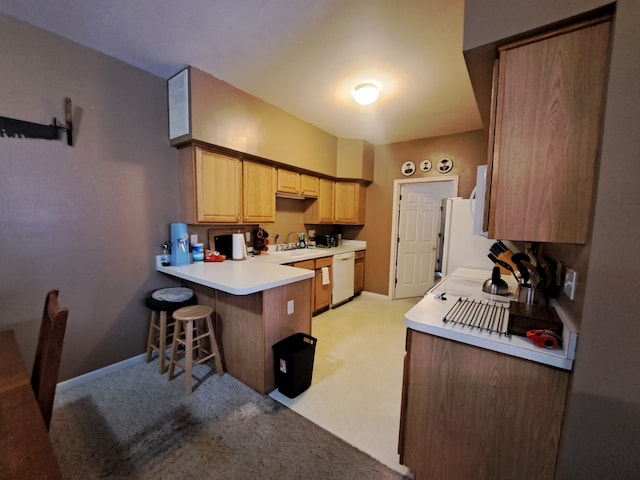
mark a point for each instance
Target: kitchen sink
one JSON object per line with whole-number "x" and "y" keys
{"x": 293, "y": 253}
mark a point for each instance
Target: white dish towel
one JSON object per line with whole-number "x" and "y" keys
{"x": 325, "y": 275}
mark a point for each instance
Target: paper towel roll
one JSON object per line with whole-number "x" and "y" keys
{"x": 238, "y": 247}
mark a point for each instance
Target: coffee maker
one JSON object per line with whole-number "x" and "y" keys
{"x": 180, "y": 244}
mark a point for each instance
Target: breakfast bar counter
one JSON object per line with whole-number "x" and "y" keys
{"x": 256, "y": 304}
{"x": 241, "y": 277}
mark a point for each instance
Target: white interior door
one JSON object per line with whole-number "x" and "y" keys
{"x": 418, "y": 224}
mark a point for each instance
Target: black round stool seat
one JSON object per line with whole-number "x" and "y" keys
{"x": 163, "y": 303}
{"x": 170, "y": 299}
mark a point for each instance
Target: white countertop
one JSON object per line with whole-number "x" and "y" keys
{"x": 256, "y": 274}
{"x": 427, "y": 317}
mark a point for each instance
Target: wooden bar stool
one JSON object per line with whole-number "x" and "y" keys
{"x": 194, "y": 331}
{"x": 163, "y": 303}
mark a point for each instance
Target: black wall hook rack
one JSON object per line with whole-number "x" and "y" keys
{"x": 10, "y": 127}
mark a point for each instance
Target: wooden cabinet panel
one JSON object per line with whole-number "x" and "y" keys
{"x": 349, "y": 203}
{"x": 320, "y": 210}
{"x": 288, "y": 182}
{"x": 259, "y": 192}
{"x": 358, "y": 274}
{"x": 309, "y": 265}
{"x": 248, "y": 325}
{"x": 550, "y": 95}
{"x": 218, "y": 188}
{"x": 472, "y": 413}
{"x": 323, "y": 292}
{"x": 210, "y": 186}
{"x": 278, "y": 324}
{"x": 309, "y": 185}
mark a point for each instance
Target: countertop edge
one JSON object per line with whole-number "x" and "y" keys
{"x": 487, "y": 344}
{"x": 422, "y": 321}
{"x": 267, "y": 285}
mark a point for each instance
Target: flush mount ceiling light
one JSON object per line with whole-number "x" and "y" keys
{"x": 365, "y": 93}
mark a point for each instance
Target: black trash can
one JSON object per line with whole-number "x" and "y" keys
{"x": 293, "y": 363}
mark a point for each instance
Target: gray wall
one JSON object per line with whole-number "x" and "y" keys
{"x": 85, "y": 219}
{"x": 600, "y": 437}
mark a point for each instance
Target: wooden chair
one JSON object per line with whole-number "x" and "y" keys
{"x": 44, "y": 377}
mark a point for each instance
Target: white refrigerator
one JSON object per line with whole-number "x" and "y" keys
{"x": 460, "y": 247}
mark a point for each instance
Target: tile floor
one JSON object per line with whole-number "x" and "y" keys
{"x": 357, "y": 378}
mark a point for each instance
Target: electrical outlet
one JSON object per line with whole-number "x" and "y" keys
{"x": 570, "y": 281}
{"x": 247, "y": 236}
{"x": 312, "y": 233}
{"x": 290, "y": 307}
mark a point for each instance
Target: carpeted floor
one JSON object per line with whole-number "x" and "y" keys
{"x": 134, "y": 424}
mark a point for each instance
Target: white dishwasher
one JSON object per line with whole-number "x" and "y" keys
{"x": 343, "y": 271}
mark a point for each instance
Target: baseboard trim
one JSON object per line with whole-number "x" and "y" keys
{"x": 89, "y": 376}
{"x": 375, "y": 295}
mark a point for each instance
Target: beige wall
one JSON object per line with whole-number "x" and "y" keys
{"x": 85, "y": 219}
{"x": 226, "y": 116}
{"x": 467, "y": 150}
{"x": 600, "y": 433}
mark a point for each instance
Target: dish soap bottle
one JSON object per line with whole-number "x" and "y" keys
{"x": 165, "y": 259}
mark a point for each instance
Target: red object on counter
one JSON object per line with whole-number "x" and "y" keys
{"x": 210, "y": 256}
{"x": 544, "y": 338}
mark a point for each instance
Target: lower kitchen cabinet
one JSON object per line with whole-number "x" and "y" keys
{"x": 322, "y": 291}
{"x": 358, "y": 273}
{"x": 470, "y": 413}
{"x": 309, "y": 265}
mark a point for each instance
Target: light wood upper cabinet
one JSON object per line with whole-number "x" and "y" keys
{"x": 259, "y": 192}
{"x": 210, "y": 186}
{"x": 309, "y": 185}
{"x": 288, "y": 182}
{"x": 548, "y": 111}
{"x": 320, "y": 210}
{"x": 295, "y": 183}
{"x": 349, "y": 203}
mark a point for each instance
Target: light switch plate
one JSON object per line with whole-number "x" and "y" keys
{"x": 570, "y": 280}
{"x": 290, "y": 307}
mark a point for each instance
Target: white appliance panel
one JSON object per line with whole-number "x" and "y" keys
{"x": 461, "y": 247}
{"x": 343, "y": 275}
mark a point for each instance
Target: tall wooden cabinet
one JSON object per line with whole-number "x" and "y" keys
{"x": 320, "y": 210}
{"x": 549, "y": 97}
{"x": 259, "y": 192}
{"x": 210, "y": 186}
{"x": 349, "y": 203}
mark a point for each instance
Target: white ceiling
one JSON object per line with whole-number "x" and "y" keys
{"x": 303, "y": 56}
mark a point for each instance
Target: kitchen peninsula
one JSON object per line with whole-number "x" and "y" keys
{"x": 257, "y": 302}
